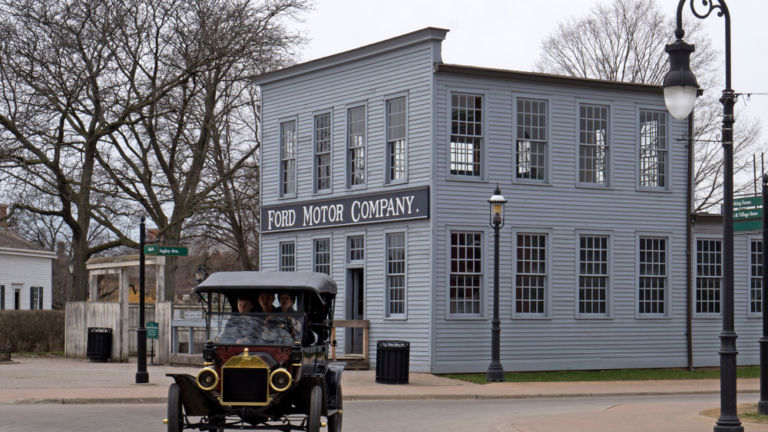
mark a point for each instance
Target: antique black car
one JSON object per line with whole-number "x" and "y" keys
{"x": 266, "y": 356}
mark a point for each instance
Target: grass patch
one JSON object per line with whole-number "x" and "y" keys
{"x": 611, "y": 375}
{"x": 747, "y": 412}
{"x": 38, "y": 354}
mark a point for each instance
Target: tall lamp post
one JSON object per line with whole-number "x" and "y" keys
{"x": 680, "y": 91}
{"x": 495, "y": 371}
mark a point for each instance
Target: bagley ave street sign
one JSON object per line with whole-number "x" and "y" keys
{"x": 154, "y": 249}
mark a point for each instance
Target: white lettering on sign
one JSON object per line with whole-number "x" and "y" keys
{"x": 384, "y": 207}
{"x": 314, "y": 215}
{"x": 281, "y": 218}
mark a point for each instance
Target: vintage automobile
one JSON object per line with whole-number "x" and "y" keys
{"x": 263, "y": 369}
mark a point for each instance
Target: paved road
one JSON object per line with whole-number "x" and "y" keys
{"x": 594, "y": 414}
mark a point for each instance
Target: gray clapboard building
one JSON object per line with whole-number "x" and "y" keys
{"x": 377, "y": 164}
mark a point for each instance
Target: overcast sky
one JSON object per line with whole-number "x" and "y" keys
{"x": 507, "y": 34}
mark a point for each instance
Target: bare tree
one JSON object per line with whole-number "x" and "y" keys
{"x": 71, "y": 74}
{"x": 624, "y": 41}
{"x": 195, "y": 141}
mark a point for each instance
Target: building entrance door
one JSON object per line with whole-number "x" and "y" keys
{"x": 355, "y": 310}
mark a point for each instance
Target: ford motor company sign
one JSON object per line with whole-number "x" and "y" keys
{"x": 381, "y": 207}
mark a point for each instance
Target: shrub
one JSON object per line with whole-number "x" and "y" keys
{"x": 32, "y": 330}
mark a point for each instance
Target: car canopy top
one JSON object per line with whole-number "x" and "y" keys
{"x": 236, "y": 281}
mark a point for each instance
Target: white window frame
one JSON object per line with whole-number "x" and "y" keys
{"x": 695, "y": 263}
{"x": 284, "y": 192}
{"x": 389, "y": 179}
{"x": 315, "y": 255}
{"x": 665, "y": 276}
{"x": 482, "y": 137}
{"x": 280, "y": 256}
{"x": 482, "y": 274}
{"x": 608, "y": 146}
{"x": 608, "y": 275}
{"x": 348, "y": 251}
{"x": 387, "y": 275}
{"x": 664, "y": 152}
{"x": 348, "y": 148}
{"x": 317, "y": 154}
{"x": 546, "y": 142}
{"x": 755, "y": 277}
{"x": 36, "y": 297}
{"x": 546, "y": 275}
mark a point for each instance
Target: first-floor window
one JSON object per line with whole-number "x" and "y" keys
{"x": 708, "y": 275}
{"x": 593, "y": 274}
{"x": 287, "y": 256}
{"x": 756, "y": 276}
{"x": 531, "y": 278}
{"x": 653, "y": 275}
{"x": 322, "y": 256}
{"x": 395, "y": 274}
{"x": 466, "y": 275}
{"x": 2, "y": 297}
{"x": 36, "y": 297}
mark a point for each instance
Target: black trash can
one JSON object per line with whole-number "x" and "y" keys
{"x": 99, "y": 347}
{"x": 392, "y": 357}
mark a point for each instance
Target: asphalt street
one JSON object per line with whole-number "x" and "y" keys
{"x": 580, "y": 414}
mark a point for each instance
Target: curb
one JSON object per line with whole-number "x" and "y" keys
{"x": 162, "y": 400}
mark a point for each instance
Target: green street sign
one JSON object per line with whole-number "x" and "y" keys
{"x": 152, "y": 330}
{"x": 748, "y": 213}
{"x": 154, "y": 249}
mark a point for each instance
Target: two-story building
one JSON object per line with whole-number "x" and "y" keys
{"x": 377, "y": 166}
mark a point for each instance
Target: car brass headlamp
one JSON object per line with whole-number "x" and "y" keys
{"x": 207, "y": 379}
{"x": 280, "y": 380}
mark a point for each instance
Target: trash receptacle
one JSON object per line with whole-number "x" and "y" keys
{"x": 99, "y": 347}
{"x": 392, "y": 357}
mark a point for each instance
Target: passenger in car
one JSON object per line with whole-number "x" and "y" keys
{"x": 266, "y": 301}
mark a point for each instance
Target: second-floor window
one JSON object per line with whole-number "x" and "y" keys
{"x": 531, "y": 151}
{"x": 653, "y": 149}
{"x": 288, "y": 158}
{"x": 756, "y": 276}
{"x": 709, "y": 275}
{"x": 396, "y": 144}
{"x": 322, "y": 152}
{"x": 593, "y": 144}
{"x": 466, "y": 134}
{"x": 356, "y": 146}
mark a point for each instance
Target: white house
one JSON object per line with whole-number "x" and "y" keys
{"x": 25, "y": 273}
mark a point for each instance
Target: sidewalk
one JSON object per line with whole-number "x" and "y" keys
{"x": 60, "y": 380}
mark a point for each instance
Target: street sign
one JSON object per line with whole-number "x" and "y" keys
{"x": 152, "y": 330}
{"x": 748, "y": 213}
{"x": 163, "y": 250}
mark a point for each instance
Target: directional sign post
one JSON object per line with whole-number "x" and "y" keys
{"x": 163, "y": 250}
{"x": 747, "y": 213}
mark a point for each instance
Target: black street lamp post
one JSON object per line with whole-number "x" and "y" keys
{"x": 680, "y": 91}
{"x": 762, "y": 404}
{"x": 142, "y": 376}
{"x": 495, "y": 371}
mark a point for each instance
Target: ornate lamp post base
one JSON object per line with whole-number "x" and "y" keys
{"x": 495, "y": 372}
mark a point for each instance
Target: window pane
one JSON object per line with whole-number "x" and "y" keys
{"x": 466, "y": 273}
{"x": 396, "y": 274}
{"x": 653, "y": 148}
{"x": 593, "y": 144}
{"x": 396, "y": 143}
{"x": 287, "y": 256}
{"x": 531, "y": 278}
{"x": 356, "y": 145}
{"x": 466, "y": 134}
{"x": 708, "y": 275}
{"x": 323, "y": 152}
{"x": 653, "y": 275}
{"x": 322, "y": 251}
{"x": 593, "y": 274}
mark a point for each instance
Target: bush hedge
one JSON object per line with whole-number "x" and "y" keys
{"x": 32, "y": 330}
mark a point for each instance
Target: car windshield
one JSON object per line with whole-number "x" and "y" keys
{"x": 278, "y": 328}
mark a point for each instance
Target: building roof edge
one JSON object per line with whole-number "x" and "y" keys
{"x": 397, "y": 42}
{"x": 545, "y": 77}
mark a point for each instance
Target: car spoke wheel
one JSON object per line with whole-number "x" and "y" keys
{"x": 315, "y": 409}
{"x": 334, "y": 421}
{"x": 175, "y": 415}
